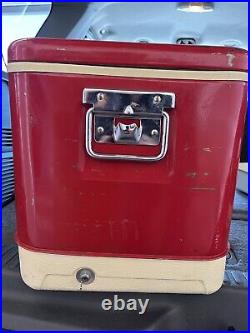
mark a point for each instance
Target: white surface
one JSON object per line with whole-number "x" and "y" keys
{"x": 21, "y": 20}
{"x": 162, "y": 22}
{"x": 58, "y": 272}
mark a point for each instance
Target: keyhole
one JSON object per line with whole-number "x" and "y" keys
{"x": 85, "y": 276}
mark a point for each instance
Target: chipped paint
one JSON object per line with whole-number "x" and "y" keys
{"x": 216, "y": 53}
{"x": 230, "y": 59}
{"x": 203, "y": 188}
{"x": 191, "y": 174}
{"x": 207, "y": 149}
{"x": 70, "y": 140}
{"x": 217, "y": 240}
{"x": 205, "y": 173}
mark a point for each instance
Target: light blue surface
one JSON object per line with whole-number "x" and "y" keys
{"x": 5, "y": 105}
{"x": 162, "y": 22}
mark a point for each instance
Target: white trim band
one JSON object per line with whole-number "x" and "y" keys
{"x": 58, "y": 272}
{"x": 37, "y": 67}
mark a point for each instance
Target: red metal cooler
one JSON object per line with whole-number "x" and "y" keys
{"x": 125, "y": 162}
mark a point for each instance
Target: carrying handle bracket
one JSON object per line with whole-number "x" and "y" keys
{"x": 128, "y": 118}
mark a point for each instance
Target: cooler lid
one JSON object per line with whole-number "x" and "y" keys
{"x": 165, "y": 56}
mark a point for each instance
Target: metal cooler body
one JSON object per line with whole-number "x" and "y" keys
{"x": 126, "y": 158}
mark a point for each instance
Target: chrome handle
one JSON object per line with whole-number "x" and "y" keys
{"x": 128, "y": 118}
{"x": 92, "y": 153}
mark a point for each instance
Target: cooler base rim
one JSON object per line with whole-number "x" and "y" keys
{"x": 46, "y": 271}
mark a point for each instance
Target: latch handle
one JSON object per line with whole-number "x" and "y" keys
{"x": 128, "y": 118}
{"x": 129, "y": 133}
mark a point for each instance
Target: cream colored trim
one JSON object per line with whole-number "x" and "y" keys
{"x": 58, "y": 272}
{"x": 243, "y": 167}
{"x": 16, "y": 67}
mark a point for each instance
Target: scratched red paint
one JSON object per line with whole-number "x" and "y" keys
{"x": 70, "y": 203}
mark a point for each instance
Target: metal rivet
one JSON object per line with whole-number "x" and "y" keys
{"x": 103, "y": 31}
{"x": 85, "y": 276}
{"x": 154, "y": 132}
{"x": 100, "y": 130}
{"x": 157, "y": 99}
{"x": 100, "y": 96}
{"x": 128, "y": 110}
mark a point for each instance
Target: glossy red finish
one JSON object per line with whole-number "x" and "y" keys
{"x": 129, "y": 54}
{"x": 69, "y": 203}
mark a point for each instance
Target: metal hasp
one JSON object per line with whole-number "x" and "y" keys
{"x": 128, "y": 118}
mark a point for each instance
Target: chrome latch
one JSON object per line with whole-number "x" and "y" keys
{"x": 127, "y": 117}
{"x": 127, "y": 133}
